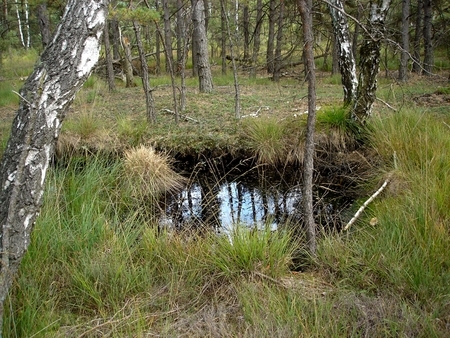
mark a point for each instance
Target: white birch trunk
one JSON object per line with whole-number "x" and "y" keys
{"x": 27, "y": 25}
{"x": 19, "y": 25}
{"x": 370, "y": 61}
{"x": 347, "y": 64}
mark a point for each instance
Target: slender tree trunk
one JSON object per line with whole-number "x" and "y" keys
{"x": 167, "y": 36}
{"x": 180, "y": 29}
{"x": 277, "y": 59}
{"x": 256, "y": 37}
{"x": 347, "y": 64}
{"x": 428, "y": 61}
{"x": 149, "y": 102}
{"x": 237, "y": 93}
{"x": 127, "y": 63}
{"x": 169, "y": 62}
{"x": 223, "y": 36}
{"x": 370, "y": 61}
{"x": 109, "y": 61}
{"x": 201, "y": 42}
{"x": 305, "y": 7}
{"x": 62, "y": 69}
{"x": 416, "y": 67}
{"x": 44, "y": 23}
{"x": 19, "y": 25}
{"x": 27, "y": 24}
{"x": 115, "y": 32}
{"x": 271, "y": 37}
{"x": 157, "y": 45}
{"x": 186, "y": 43}
{"x": 403, "y": 70}
{"x": 246, "y": 29}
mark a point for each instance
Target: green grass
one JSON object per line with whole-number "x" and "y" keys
{"x": 7, "y": 96}
{"x": 405, "y": 253}
{"x": 265, "y": 137}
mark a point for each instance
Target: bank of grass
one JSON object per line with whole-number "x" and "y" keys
{"x": 405, "y": 252}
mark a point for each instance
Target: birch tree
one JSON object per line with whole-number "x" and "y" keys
{"x": 346, "y": 59}
{"x": 370, "y": 60}
{"x": 63, "y": 67}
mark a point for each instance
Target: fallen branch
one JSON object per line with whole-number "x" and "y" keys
{"x": 387, "y": 104}
{"x": 181, "y": 115}
{"x": 366, "y": 203}
{"x": 256, "y": 113}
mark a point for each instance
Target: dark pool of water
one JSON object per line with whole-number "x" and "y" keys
{"x": 252, "y": 197}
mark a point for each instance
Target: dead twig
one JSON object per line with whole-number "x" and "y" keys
{"x": 273, "y": 280}
{"x": 187, "y": 118}
{"x": 366, "y": 203}
{"x": 387, "y": 104}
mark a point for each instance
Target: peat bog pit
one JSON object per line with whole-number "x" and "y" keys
{"x": 223, "y": 192}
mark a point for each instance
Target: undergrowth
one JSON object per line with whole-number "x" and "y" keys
{"x": 100, "y": 264}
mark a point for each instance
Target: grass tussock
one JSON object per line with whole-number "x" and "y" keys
{"x": 266, "y": 139}
{"x": 336, "y": 130}
{"x": 148, "y": 173}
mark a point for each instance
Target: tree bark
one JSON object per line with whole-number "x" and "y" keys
{"x": 149, "y": 102}
{"x": 347, "y": 64}
{"x": 246, "y": 29}
{"x": 179, "y": 30}
{"x": 167, "y": 36}
{"x": 128, "y": 67}
{"x": 370, "y": 61}
{"x": 416, "y": 67}
{"x": 223, "y": 36}
{"x": 237, "y": 92}
{"x": 63, "y": 67}
{"x": 428, "y": 61}
{"x": 109, "y": 60}
{"x": 403, "y": 70}
{"x": 256, "y": 37}
{"x": 305, "y": 7}
{"x": 201, "y": 43}
{"x": 157, "y": 45}
{"x": 271, "y": 37}
{"x": 44, "y": 23}
{"x": 277, "y": 59}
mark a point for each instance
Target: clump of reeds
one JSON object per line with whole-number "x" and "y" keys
{"x": 266, "y": 139}
{"x": 336, "y": 129}
{"x": 148, "y": 173}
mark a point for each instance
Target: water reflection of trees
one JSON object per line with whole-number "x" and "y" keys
{"x": 213, "y": 203}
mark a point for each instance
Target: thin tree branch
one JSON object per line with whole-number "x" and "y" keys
{"x": 366, "y": 203}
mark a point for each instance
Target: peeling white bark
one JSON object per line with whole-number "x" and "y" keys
{"x": 347, "y": 63}
{"x": 370, "y": 61}
{"x": 89, "y": 56}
